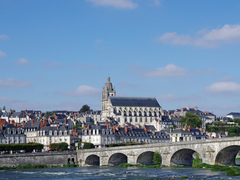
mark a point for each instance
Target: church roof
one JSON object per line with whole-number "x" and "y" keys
{"x": 134, "y": 101}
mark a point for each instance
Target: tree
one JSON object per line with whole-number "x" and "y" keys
{"x": 85, "y": 108}
{"x": 157, "y": 159}
{"x": 192, "y": 120}
{"x": 4, "y": 108}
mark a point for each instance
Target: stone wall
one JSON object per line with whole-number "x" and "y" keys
{"x": 47, "y": 158}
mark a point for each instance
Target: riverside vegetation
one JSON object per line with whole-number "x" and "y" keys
{"x": 230, "y": 170}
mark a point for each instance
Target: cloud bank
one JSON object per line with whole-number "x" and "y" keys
{"x": 83, "y": 91}
{"x": 169, "y": 71}
{"x": 119, "y": 4}
{"x": 223, "y": 87}
{"x": 205, "y": 38}
{"x": 13, "y": 83}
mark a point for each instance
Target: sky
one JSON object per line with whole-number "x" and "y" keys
{"x": 57, "y": 55}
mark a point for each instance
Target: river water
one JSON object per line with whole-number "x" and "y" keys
{"x": 105, "y": 173}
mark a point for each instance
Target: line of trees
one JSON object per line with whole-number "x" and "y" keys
{"x": 28, "y": 147}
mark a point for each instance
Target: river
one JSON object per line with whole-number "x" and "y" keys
{"x": 107, "y": 173}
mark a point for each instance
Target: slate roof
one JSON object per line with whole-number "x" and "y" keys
{"x": 134, "y": 101}
{"x": 234, "y": 114}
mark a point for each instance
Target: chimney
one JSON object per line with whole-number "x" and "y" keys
{"x": 181, "y": 111}
{"x": 126, "y": 129}
{"x": 32, "y": 121}
{"x": 23, "y": 123}
{"x": 85, "y": 127}
{"x": 178, "y": 115}
{"x": 174, "y": 115}
{"x": 197, "y": 128}
{"x": 107, "y": 126}
{"x": 201, "y": 129}
{"x": 75, "y": 115}
{"x": 195, "y": 108}
{"x": 131, "y": 127}
{"x": 41, "y": 124}
{"x": 145, "y": 129}
{"x": 187, "y": 108}
{"x": 57, "y": 127}
{"x": 114, "y": 129}
{"x": 106, "y": 122}
{"x": 19, "y": 126}
{"x": 1, "y": 126}
{"x": 23, "y": 113}
{"x": 165, "y": 113}
{"x": 65, "y": 121}
{"x": 45, "y": 123}
{"x": 8, "y": 121}
{"x": 168, "y": 112}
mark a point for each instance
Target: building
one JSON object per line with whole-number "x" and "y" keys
{"x": 233, "y": 115}
{"x": 133, "y": 110}
{"x": 103, "y": 135}
{"x": 10, "y": 134}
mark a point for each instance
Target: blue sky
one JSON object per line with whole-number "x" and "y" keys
{"x": 57, "y": 54}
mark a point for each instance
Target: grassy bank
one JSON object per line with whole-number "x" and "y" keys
{"x": 230, "y": 170}
{"x": 29, "y": 166}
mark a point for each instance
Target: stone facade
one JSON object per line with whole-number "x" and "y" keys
{"x": 133, "y": 110}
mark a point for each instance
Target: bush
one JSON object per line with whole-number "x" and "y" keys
{"x": 28, "y": 147}
{"x": 58, "y": 146}
{"x": 157, "y": 159}
{"x": 196, "y": 161}
{"x": 87, "y": 145}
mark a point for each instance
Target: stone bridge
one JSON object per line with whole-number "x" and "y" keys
{"x": 211, "y": 151}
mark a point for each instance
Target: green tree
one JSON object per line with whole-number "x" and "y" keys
{"x": 85, "y": 108}
{"x": 192, "y": 120}
{"x": 4, "y": 107}
{"x": 157, "y": 159}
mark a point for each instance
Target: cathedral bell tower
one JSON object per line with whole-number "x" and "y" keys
{"x": 107, "y": 91}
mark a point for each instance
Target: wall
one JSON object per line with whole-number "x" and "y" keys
{"x": 48, "y": 158}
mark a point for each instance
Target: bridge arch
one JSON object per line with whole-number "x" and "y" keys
{"x": 92, "y": 160}
{"x": 116, "y": 159}
{"x": 146, "y": 158}
{"x": 227, "y": 155}
{"x": 183, "y": 157}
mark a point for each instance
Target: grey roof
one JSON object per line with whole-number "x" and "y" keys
{"x": 134, "y": 101}
{"x": 234, "y": 113}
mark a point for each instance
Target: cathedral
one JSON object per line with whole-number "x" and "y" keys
{"x": 132, "y": 110}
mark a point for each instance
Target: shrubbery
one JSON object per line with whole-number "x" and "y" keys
{"x": 58, "y": 146}
{"x": 28, "y": 147}
{"x": 86, "y": 145}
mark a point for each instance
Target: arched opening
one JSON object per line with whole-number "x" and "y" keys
{"x": 117, "y": 159}
{"x": 93, "y": 160}
{"x": 227, "y": 155}
{"x": 183, "y": 157}
{"x": 146, "y": 158}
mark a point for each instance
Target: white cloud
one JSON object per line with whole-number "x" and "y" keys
{"x": 205, "y": 38}
{"x": 13, "y": 83}
{"x": 156, "y": 2}
{"x": 2, "y": 54}
{"x": 170, "y": 97}
{"x": 120, "y": 4}
{"x": 201, "y": 71}
{"x": 19, "y": 104}
{"x": 3, "y": 36}
{"x": 223, "y": 87}
{"x": 83, "y": 91}
{"x": 168, "y": 71}
{"x": 23, "y": 61}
